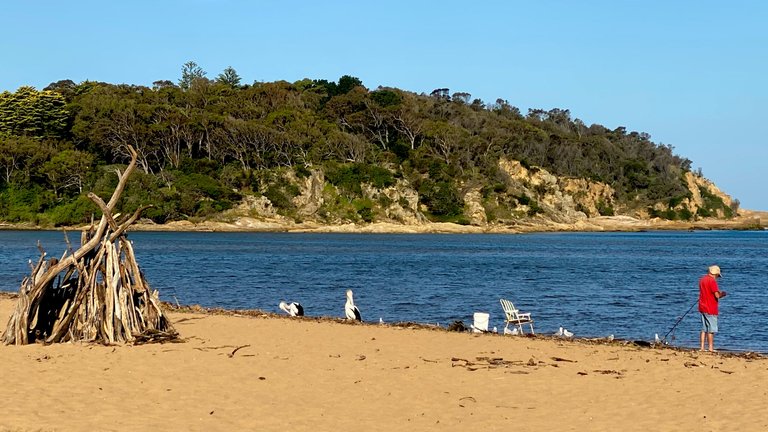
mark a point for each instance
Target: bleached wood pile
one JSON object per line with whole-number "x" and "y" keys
{"x": 96, "y": 293}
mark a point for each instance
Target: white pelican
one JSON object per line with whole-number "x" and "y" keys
{"x": 292, "y": 308}
{"x": 351, "y": 311}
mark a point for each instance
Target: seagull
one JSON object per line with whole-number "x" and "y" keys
{"x": 292, "y": 308}
{"x": 512, "y": 332}
{"x": 381, "y": 321}
{"x": 564, "y": 333}
{"x": 351, "y": 311}
{"x": 610, "y": 337}
{"x": 494, "y": 330}
{"x": 656, "y": 338}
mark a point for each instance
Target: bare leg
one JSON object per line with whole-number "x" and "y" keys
{"x": 711, "y": 339}
{"x": 702, "y": 341}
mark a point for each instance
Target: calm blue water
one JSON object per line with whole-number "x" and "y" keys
{"x": 632, "y": 285}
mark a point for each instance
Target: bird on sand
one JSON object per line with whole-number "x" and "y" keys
{"x": 564, "y": 333}
{"x": 350, "y": 310}
{"x": 292, "y": 308}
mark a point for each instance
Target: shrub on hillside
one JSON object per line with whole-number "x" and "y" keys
{"x": 349, "y": 177}
{"x": 441, "y": 198}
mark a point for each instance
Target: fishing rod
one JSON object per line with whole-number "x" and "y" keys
{"x": 664, "y": 339}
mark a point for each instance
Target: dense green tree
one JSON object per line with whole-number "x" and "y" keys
{"x": 229, "y": 77}
{"x": 68, "y": 169}
{"x": 17, "y": 154}
{"x": 190, "y": 73}
{"x": 28, "y": 112}
{"x": 66, "y": 88}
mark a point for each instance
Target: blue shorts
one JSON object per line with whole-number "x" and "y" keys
{"x": 708, "y": 323}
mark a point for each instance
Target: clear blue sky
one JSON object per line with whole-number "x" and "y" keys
{"x": 692, "y": 74}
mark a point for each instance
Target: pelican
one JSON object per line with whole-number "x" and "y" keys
{"x": 292, "y": 308}
{"x": 352, "y": 312}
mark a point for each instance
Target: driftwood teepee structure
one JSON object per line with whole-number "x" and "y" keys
{"x": 96, "y": 293}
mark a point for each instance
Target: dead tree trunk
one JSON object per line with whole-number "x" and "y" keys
{"x": 96, "y": 293}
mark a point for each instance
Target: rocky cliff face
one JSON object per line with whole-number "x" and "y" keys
{"x": 561, "y": 199}
{"x": 697, "y": 185}
{"x": 527, "y": 194}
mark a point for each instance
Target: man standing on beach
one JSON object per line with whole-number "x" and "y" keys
{"x": 709, "y": 296}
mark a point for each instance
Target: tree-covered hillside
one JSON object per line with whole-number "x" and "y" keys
{"x": 204, "y": 143}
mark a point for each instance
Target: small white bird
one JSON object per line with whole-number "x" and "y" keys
{"x": 292, "y": 308}
{"x": 350, "y": 310}
{"x": 656, "y": 338}
{"x": 494, "y": 329}
{"x": 512, "y": 332}
{"x": 567, "y": 333}
{"x": 610, "y": 338}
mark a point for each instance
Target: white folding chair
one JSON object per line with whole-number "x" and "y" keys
{"x": 514, "y": 317}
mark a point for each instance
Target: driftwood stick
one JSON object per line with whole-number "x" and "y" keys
{"x": 232, "y": 354}
{"x": 105, "y": 211}
{"x": 133, "y": 267}
{"x": 66, "y": 239}
{"x": 124, "y": 225}
{"x": 63, "y": 324}
{"x": 121, "y": 184}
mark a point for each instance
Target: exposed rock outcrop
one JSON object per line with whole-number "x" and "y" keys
{"x": 401, "y": 203}
{"x": 562, "y": 199}
{"x": 530, "y": 198}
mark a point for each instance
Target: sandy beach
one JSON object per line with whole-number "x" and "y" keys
{"x": 260, "y": 371}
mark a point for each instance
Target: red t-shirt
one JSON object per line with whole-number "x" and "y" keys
{"x": 707, "y": 299}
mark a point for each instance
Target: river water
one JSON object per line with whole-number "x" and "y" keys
{"x": 631, "y": 285}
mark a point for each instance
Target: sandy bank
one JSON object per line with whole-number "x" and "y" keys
{"x": 599, "y": 224}
{"x": 263, "y": 372}
{"x": 747, "y": 220}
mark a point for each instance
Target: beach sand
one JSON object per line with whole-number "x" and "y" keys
{"x": 264, "y": 372}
